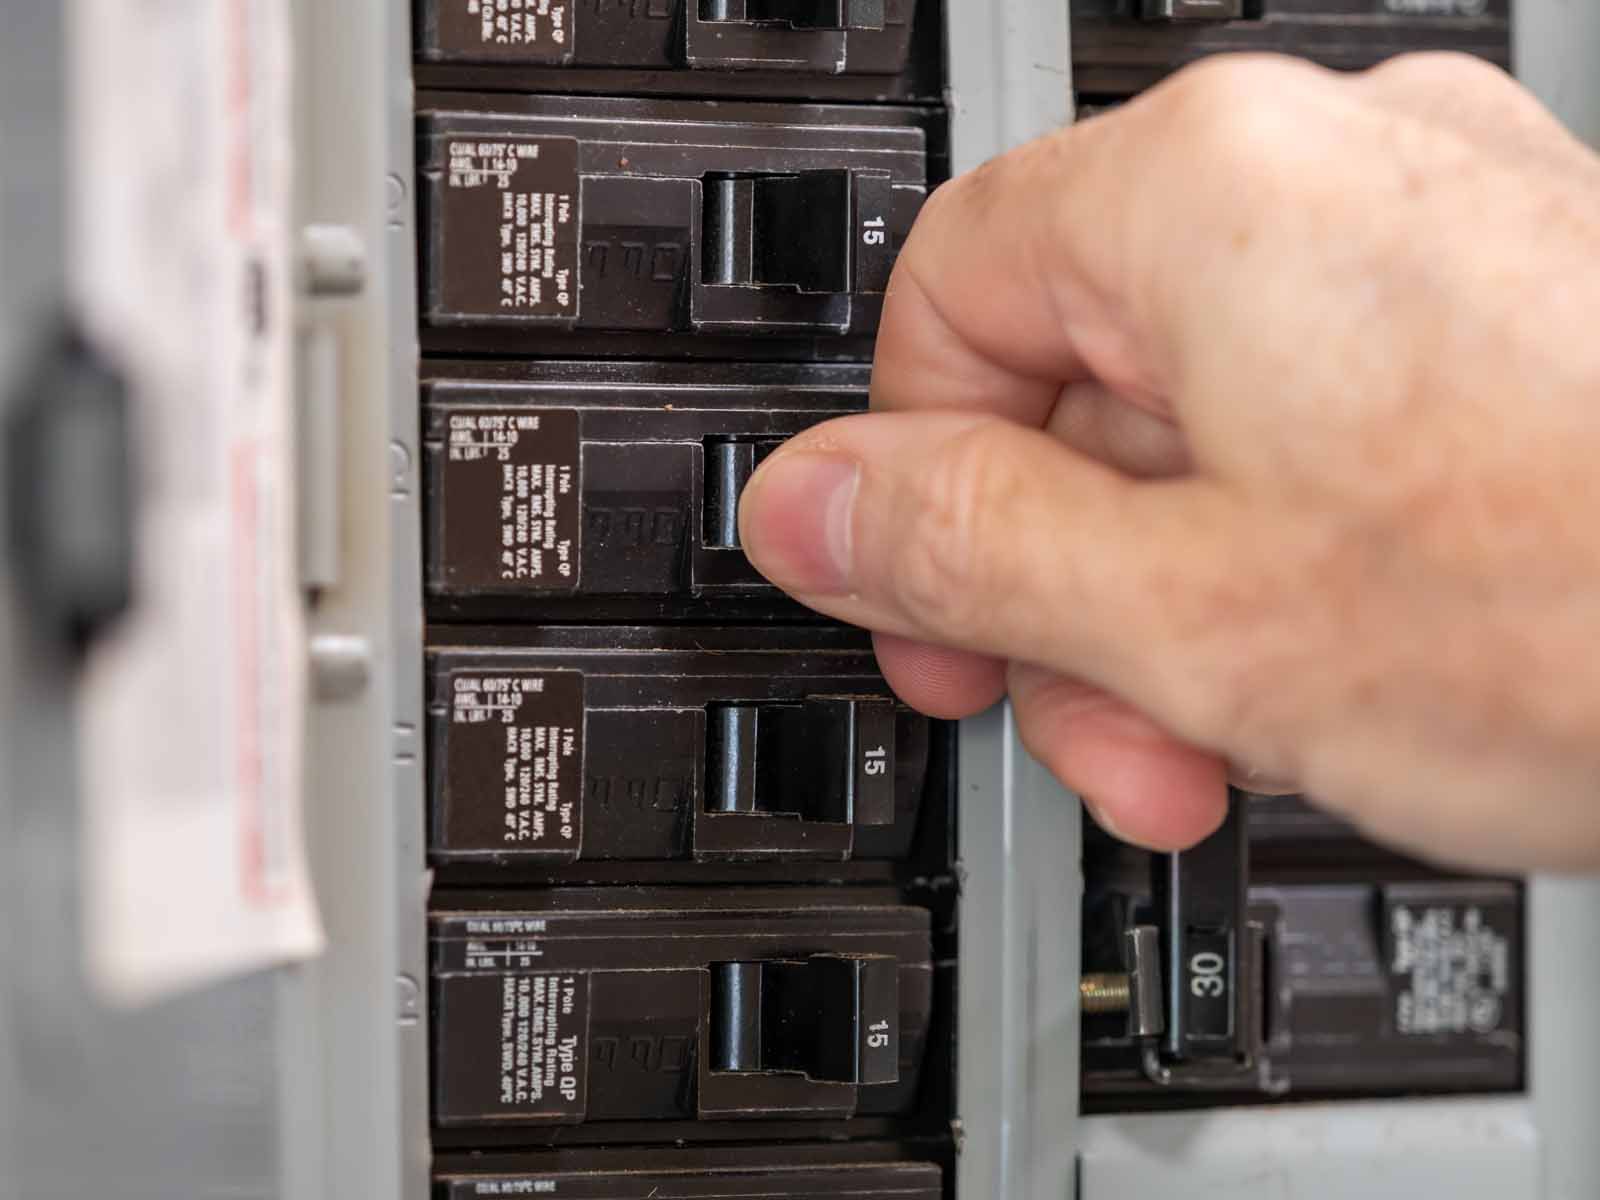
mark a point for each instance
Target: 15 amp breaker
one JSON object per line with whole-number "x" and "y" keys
{"x": 589, "y": 1006}
{"x": 857, "y": 1170}
{"x": 578, "y": 486}
{"x": 704, "y": 745}
{"x": 663, "y": 217}
{"x": 888, "y": 1181}
{"x": 827, "y": 37}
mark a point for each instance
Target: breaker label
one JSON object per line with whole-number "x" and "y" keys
{"x": 514, "y": 763}
{"x": 1452, "y": 970}
{"x": 544, "y": 1031}
{"x": 512, "y": 501}
{"x": 534, "y": 1063}
{"x": 1434, "y": 8}
{"x": 531, "y": 31}
{"x": 514, "y": 1187}
{"x": 509, "y": 236}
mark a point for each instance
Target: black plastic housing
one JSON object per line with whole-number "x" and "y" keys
{"x": 890, "y": 1181}
{"x": 906, "y": 1169}
{"x": 544, "y": 216}
{"x": 716, "y": 42}
{"x": 1413, "y": 984}
{"x": 1114, "y": 53}
{"x": 590, "y": 1006}
{"x": 607, "y": 490}
{"x": 578, "y": 745}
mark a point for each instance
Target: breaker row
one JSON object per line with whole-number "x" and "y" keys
{"x": 890, "y": 49}
{"x": 645, "y": 1015}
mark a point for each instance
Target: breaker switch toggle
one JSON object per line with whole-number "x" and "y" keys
{"x": 1191, "y": 10}
{"x": 829, "y": 759}
{"x": 779, "y": 231}
{"x": 834, "y": 1018}
{"x": 799, "y": 14}
{"x": 729, "y": 466}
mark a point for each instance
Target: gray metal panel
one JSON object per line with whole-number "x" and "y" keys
{"x": 1556, "y": 48}
{"x": 404, "y": 490}
{"x": 1556, "y": 51}
{"x": 1019, "y": 832}
{"x": 1564, "y": 1057}
{"x": 1401, "y": 1151}
{"x": 352, "y": 1014}
{"x": 36, "y": 741}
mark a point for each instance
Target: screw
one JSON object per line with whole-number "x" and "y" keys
{"x": 1102, "y": 995}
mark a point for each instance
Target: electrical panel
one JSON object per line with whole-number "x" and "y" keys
{"x": 696, "y": 893}
{"x": 638, "y": 881}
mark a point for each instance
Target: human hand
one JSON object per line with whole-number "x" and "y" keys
{"x": 1255, "y": 423}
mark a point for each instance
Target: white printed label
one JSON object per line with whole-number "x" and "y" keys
{"x": 193, "y": 709}
{"x": 543, "y": 1035}
{"x": 1456, "y": 971}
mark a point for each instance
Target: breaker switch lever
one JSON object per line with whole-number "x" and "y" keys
{"x": 829, "y": 759}
{"x": 1191, "y": 10}
{"x": 833, "y": 1018}
{"x": 799, "y": 14}
{"x": 779, "y": 231}
{"x": 729, "y": 466}
{"x": 1200, "y": 896}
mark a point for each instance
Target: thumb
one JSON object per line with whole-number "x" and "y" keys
{"x": 981, "y": 534}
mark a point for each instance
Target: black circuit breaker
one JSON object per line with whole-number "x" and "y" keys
{"x": 647, "y": 744}
{"x": 582, "y": 484}
{"x": 821, "y": 37}
{"x": 1120, "y": 47}
{"x": 592, "y": 1006}
{"x": 1307, "y": 964}
{"x": 859, "y": 1170}
{"x": 889, "y": 1181}
{"x": 662, "y": 217}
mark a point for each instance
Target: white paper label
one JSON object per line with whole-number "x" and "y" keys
{"x": 193, "y": 711}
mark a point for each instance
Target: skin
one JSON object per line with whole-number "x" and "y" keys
{"x": 1251, "y": 430}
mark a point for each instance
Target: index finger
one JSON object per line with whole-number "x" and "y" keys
{"x": 1048, "y": 266}
{"x": 990, "y": 307}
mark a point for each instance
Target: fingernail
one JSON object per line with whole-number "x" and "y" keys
{"x": 795, "y": 520}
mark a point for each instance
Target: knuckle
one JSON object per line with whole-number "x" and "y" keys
{"x": 961, "y": 200}
{"x": 935, "y": 206}
{"x": 1241, "y": 113}
{"x": 1445, "y": 71}
{"x": 938, "y": 569}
